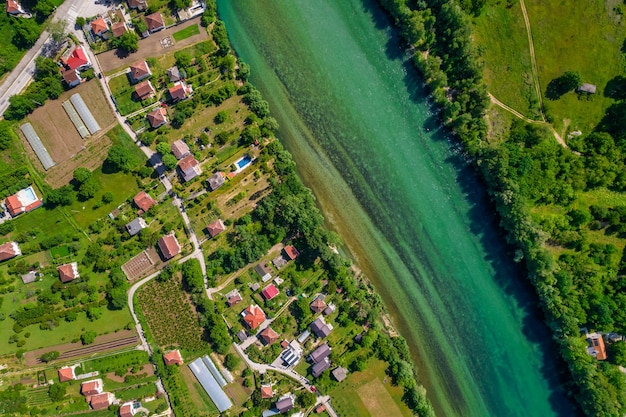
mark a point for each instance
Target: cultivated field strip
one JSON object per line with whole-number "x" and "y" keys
{"x": 87, "y": 350}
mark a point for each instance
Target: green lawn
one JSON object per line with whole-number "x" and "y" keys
{"x": 124, "y": 92}
{"x": 560, "y": 46}
{"x": 59, "y": 252}
{"x": 502, "y": 34}
{"x": 188, "y": 32}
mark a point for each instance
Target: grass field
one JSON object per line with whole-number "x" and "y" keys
{"x": 186, "y": 33}
{"x": 369, "y": 393}
{"x": 502, "y": 33}
{"x": 124, "y": 91}
{"x": 560, "y": 45}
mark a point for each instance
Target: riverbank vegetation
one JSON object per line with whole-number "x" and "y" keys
{"x": 563, "y": 209}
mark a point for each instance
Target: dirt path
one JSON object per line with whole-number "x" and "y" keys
{"x": 533, "y": 61}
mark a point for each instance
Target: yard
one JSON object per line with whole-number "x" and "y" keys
{"x": 369, "y": 393}
{"x": 124, "y": 93}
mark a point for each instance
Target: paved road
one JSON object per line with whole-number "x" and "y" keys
{"x": 23, "y": 73}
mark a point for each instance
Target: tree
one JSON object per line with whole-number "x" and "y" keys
{"x": 43, "y": 8}
{"x": 183, "y": 59}
{"x": 181, "y": 4}
{"x": 117, "y": 298}
{"x": 221, "y": 117}
{"x": 570, "y": 80}
{"x": 140, "y": 25}
{"x": 45, "y": 68}
{"x": 170, "y": 161}
{"x": 49, "y": 356}
{"x": 107, "y": 197}
{"x": 56, "y": 392}
{"x": 57, "y": 30}
{"x": 231, "y": 361}
{"x": 163, "y": 148}
{"x": 306, "y": 399}
{"x": 6, "y": 135}
{"x": 26, "y": 33}
{"x": 88, "y": 190}
{"x": 119, "y": 159}
{"x": 63, "y": 196}
{"x": 82, "y": 175}
{"x": 128, "y": 42}
{"x": 88, "y": 337}
{"x": 80, "y": 21}
{"x": 19, "y": 106}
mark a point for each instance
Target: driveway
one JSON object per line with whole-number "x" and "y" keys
{"x": 151, "y": 46}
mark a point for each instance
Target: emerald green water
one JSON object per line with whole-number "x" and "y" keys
{"x": 354, "y": 116}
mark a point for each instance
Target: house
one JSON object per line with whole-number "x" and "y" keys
{"x": 216, "y": 227}
{"x": 292, "y": 354}
{"x": 72, "y": 78}
{"x": 66, "y": 374}
{"x": 168, "y": 245}
{"x": 14, "y": 8}
{"x": 318, "y": 305}
{"x": 118, "y": 29}
{"x": 270, "y": 292}
{"x": 173, "y": 74}
{"x": 157, "y": 117}
{"x": 139, "y": 71}
{"x": 143, "y": 201}
{"x": 173, "y": 358}
{"x": 266, "y": 391}
{"x": 180, "y": 91}
{"x": 320, "y": 353}
{"x": 22, "y": 202}
{"x": 180, "y": 149}
{"x": 144, "y": 90}
{"x": 304, "y": 336}
{"x": 587, "y": 88}
{"x": 136, "y": 226}
{"x": 155, "y": 22}
{"x": 30, "y": 277}
{"x": 320, "y": 367}
{"x": 320, "y": 328}
{"x": 189, "y": 168}
{"x": 268, "y": 336}
{"x": 339, "y": 373}
{"x": 253, "y": 316}
{"x": 264, "y": 272}
{"x": 127, "y": 410}
{"x": 77, "y": 60}
{"x": 89, "y": 388}
{"x": 216, "y": 181}
{"x": 330, "y": 309}
{"x": 140, "y": 5}
{"x": 68, "y": 272}
{"x": 285, "y": 404}
{"x": 291, "y": 252}
{"x": 279, "y": 262}
{"x": 99, "y": 27}
{"x": 595, "y": 346}
{"x": 9, "y": 250}
{"x": 233, "y": 297}
{"x": 101, "y": 401}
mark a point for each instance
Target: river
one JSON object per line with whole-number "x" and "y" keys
{"x": 414, "y": 217}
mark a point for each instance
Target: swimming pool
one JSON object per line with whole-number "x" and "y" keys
{"x": 242, "y": 162}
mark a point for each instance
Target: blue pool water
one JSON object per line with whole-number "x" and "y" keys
{"x": 243, "y": 162}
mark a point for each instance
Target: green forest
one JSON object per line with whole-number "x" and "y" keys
{"x": 562, "y": 209}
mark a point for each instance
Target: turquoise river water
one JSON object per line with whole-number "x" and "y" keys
{"x": 415, "y": 219}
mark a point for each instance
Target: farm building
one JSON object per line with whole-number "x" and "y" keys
{"x": 587, "y": 88}
{"x": 72, "y": 78}
{"x": 216, "y": 181}
{"x": 180, "y": 149}
{"x": 168, "y": 245}
{"x": 68, "y": 272}
{"x": 85, "y": 113}
{"x": 173, "y": 358}
{"x": 22, "y": 202}
{"x": 143, "y": 201}
{"x": 339, "y": 373}
{"x": 136, "y": 226}
{"x": 35, "y": 142}
{"x": 216, "y": 227}
{"x": 210, "y": 385}
{"x": 66, "y": 374}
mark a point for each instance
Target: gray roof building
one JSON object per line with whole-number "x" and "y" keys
{"x": 339, "y": 373}
{"x": 320, "y": 353}
{"x": 216, "y": 181}
{"x": 210, "y": 385}
{"x": 587, "y": 88}
{"x": 136, "y": 226}
{"x": 284, "y": 404}
{"x": 264, "y": 272}
{"x": 241, "y": 335}
{"x": 30, "y": 277}
{"x": 320, "y": 328}
{"x": 173, "y": 74}
{"x": 320, "y": 367}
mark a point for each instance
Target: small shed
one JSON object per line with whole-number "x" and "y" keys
{"x": 587, "y": 88}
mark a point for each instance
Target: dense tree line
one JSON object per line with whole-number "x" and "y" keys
{"x": 584, "y": 286}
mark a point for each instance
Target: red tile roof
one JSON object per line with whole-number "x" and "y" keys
{"x": 179, "y": 148}
{"x": 189, "y": 167}
{"x": 70, "y": 76}
{"x": 68, "y": 272}
{"x": 268, "y": 336}
{"x": 99, "y": 25}
{"x": 270, "y": 292}
{"x": 134, "y": 4}
{"x": 253, "y": 316}
{"x": 169, "y": 246}
{"x": 216, "y": 227}
{"x": 144, "y": 201}
{"x": 126, "y": 410}
{"x": 139, "y": 70}
{"x": 144, "y": 90}
{"x": 101, "y": 401}
{"x": 173, "y": 358}
{"x": 318, "y": 305}
{"x": 596, "y": 342}
{"x": 155, "y": 22}
{"x": 291, "y": 252}
{"x": 9, "y": 250}
{"x": 266, "y": 391}
{"x": 22, "y": 202}
{"x": 13, "y": 7}
{"x": 66, "y": 374}
{"x": 118, "y": 29}
{"x": 89, "y": 388}
{"x": 77, "y": 58}
{"x": 157, "y": 117}
{"x": 179, "y": 91}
